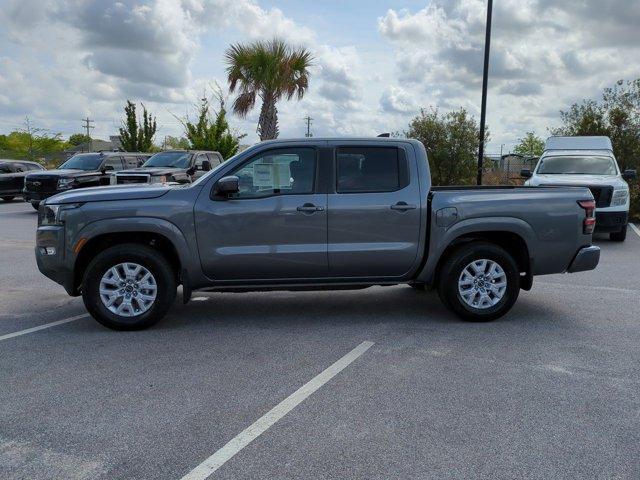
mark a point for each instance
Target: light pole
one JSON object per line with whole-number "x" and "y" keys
{"x": 485, "y": 75}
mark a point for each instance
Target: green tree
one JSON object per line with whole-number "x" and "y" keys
{"x": 79, "y": 138}
{"x": 31, "y": 143}
{"x": 176, "y": 143}
{"x": 451, "y": 140}
{"x": 212, "y": 132}
{"x": 531, "y": 145}
{"x": 136, "y": 135}
{"x": 269, "y": 70}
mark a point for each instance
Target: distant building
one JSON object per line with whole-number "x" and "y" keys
{"x": 95, "y": 145}
{"x": 514, "y": 162}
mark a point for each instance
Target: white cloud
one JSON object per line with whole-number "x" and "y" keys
{"x": 397, "y": 100}
{"x": 544, "y": 55}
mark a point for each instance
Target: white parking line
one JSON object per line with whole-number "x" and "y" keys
{"x": 244, "y": 438}
{"x": 42, "y": 327}
{"x": 595, "y": 287}
{"x": 635, "y": 229}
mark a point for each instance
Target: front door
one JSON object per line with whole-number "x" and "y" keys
{"x": 374, "y": 212}
{"x": 275, "y": 227}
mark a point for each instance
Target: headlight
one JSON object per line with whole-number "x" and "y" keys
{"x": 161, "y": 179}
{"x": 65, "y": 183}
{"x": 53, "y": 214}
{"x": 620, "y": 197}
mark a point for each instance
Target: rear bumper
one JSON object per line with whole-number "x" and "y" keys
{"x": 587, "y": 258}
{"x": 611, "y": 221}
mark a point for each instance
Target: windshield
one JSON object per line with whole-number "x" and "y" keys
{"x": 577, "y": 165}
{"x": 83, "y": 161}
{"x": 168, "y": 159}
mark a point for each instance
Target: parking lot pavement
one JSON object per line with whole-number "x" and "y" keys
{"x": 550, "y": 391}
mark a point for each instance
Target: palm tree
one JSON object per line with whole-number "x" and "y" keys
{"x": 270, "y": 70}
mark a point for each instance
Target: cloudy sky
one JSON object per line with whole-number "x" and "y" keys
{"x": 376, "y": 62}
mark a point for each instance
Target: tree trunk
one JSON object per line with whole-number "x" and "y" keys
{"x": 268, "y": 120}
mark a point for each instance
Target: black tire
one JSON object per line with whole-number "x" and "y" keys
{"x": 8, "y": 199}
{"x": 35, "y": 205}
{"x": 458, "y": 260}
{"x": 619, "y": 236}
{"x": 149, "y": 258}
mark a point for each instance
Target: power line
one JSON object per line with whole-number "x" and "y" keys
{"x": 87, "y": 125}
{"x": 309, "y": 120}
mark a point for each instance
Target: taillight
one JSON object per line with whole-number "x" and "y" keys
{"x": 589, "y": 223}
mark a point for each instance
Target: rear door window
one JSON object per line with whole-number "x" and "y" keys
{"x": 369, "y": 169}
{"x": 6, "y": 168}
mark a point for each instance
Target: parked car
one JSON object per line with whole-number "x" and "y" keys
{"x": 12, "y": 173}
{"x": 311, "y": 214}
{"x": 81, "y": 170}
{"x": 588, "y": 162}
{"x": 181, "y": 166}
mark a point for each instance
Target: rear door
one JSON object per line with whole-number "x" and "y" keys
{"x": 373, "y": 211}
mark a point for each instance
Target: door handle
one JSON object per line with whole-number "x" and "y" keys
{"x": 403, "y": 206}
{"x": 309, "y": 208}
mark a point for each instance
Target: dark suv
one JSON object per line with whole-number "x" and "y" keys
{"x": 181, "y": 166}
{"x": 12, "y": 173}
{"x": 81, "y": 170}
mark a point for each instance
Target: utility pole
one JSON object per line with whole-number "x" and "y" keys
{"x": 308, "y": 119}
{"x": 485, "y": 78}
{"x": 87, "y": 125}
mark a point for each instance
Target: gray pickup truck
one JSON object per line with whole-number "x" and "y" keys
{"x": 311, "y": 214}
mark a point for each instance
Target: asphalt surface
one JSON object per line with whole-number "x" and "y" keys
{"x": 552, "y": 390}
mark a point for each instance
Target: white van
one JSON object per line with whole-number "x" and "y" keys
{"x": 588, "y": 162}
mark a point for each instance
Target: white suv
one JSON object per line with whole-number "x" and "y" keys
{"x": 588, "y": 162}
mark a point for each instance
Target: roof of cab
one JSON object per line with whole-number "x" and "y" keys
{"x": 578, "y": 143}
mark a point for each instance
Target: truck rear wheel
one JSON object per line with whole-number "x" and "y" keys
{"x": 8, "y": 199}
{"x": 479, "y": 282}
{"x": 128, "y": 287}
{"x": 619, "y": 236}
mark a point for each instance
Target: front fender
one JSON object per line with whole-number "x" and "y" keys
{"x": 442, "y": 237}
{"x": 133, "y": 225}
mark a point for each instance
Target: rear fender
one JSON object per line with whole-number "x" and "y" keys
{"x": 441, "y": 238}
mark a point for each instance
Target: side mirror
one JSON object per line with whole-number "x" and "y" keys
{"x": 206, "y": 165}
{"x": 106, "y": 168}
{"x": 629, "y": 174}
{"x": 226, "y": 186}
{"x": 140, "y": 162}
{"x": 526, "y": 173}
{"x": 191, "y": 170}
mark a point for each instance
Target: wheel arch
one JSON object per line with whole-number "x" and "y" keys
{"x": 98, "y": 236}
{"x": 514, "y": 235}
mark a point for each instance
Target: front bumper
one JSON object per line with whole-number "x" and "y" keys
{"x": 53, "y": 265}
{"x": 587, "y": 258}
{"x": 30, "y": 196}
{"x": 611, "y": 221}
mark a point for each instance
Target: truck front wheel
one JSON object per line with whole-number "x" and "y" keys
{"x": 128, "y": 287}
{"x": 479, "y": 282}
